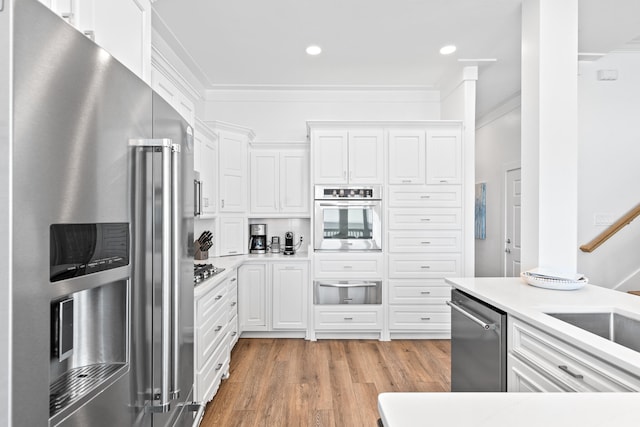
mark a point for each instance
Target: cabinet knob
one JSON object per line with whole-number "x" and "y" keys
{"x": 425, "y": 318}
{"x": 425, "y": 292}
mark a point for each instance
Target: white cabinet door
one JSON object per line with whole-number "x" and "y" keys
{"x": 290, "y": 299}
{"x": 265, "y": 184}
{"x": 209, "y": 177}
{"x": 444, "y": 156}
{"x": 170, "y": 93}
{"x": 252, "y": 297}
{"x": 122, "y": 28}
{"x": 407, "y": 156}
{"x": 232, "y": 239}
{"x": 294, "y": 181}
{"x": 233, "y": 185}
{"x": 330, "y": 157}
{"x": 205, "y": 161}
{"x": 365, "y": 157}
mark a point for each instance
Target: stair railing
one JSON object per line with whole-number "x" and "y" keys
{"x": 611, "y": 230}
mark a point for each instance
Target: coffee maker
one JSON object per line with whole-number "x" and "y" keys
{"x": 258, "y": 239}
{"x": 288, "y": 244}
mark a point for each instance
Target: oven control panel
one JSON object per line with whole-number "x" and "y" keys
{"x": 342, "y": 192}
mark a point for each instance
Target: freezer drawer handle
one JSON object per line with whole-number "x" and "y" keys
{"x": 486, "y": 326}
{"x": 348, "y": 285}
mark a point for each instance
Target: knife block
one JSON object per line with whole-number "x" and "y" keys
{"x": 200, "y": 255}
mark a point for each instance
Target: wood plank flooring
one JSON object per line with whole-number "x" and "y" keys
{"x": 293, "y": 382}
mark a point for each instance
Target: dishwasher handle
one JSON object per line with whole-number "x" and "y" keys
{"x": 485, "y": 326}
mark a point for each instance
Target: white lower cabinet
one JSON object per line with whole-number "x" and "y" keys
{"x": 541, "y": 362}
{"x": 214, "y": 326}
{"x": 348, "y": 317}
{"x": 273, "y": 296}
{"x": 290, "y": 283}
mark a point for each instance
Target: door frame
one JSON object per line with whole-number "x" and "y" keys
{"x": 506, "y": 168}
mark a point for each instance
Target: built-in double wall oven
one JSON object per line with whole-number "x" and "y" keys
{"x": 348, "y": 218}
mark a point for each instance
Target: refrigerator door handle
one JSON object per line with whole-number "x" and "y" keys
{"x": 162, "y": 400}
{"x": 175, "y": 269}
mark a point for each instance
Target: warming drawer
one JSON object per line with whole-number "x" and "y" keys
{"x": 330, "y": 292}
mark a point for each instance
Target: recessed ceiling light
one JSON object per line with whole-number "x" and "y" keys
{"x": 314, "y": 50}
{"x": 447, "y": 50}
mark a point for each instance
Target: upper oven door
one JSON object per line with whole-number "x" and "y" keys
{"x": 348, "y": 225}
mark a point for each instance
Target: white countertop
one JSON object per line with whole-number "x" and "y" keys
{"x": 509, "y": 409}
{"x": 530, "y": 304}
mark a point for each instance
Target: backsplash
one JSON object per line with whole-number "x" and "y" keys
{"x": 279, "y": 226}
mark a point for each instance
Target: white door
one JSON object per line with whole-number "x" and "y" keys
{"x": 330, "y": 157}
{"x": 406, "y": 156}
{"x": 444, "y": 156}
{"x": 264, "y": 186}
{"x": 252, "y": 297}
{"x": 512, "y": 234}
{"x": 294, "y": 181}
{"x": 233, "y": 157}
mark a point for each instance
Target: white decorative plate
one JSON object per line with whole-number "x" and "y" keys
{"x": 553, "y": 283}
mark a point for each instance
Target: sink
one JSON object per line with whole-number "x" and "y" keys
{"x": 610, "y": 325}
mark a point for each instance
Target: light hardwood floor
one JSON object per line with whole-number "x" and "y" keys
{"x": 293, "y": 382}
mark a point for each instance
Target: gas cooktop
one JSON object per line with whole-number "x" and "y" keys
{"x": 204, "y": 271}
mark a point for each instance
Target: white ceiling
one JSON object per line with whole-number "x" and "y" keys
{"x": 388, "y": 43}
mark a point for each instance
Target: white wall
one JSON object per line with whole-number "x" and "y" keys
{"x": 609, "y": 172}
{"x": 282, "y": 114}
{"x": 497, "y": 146}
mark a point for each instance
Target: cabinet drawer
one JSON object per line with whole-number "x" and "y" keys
{"x": 415, "y": 318}
{"x": 209, "y": 377}
{"x": 569, "y": 367}
{"x": 425, "y": 196}
{"x": 210, "y": 303}
{"x": 420, "y": 292}
{"x": 425, "y": 241}
{"x": 523, "y": 378}
{"x": 424, "y": 266}
{"x": 348, "y": 266}
{"x": 348, "y": 319}
{"x": 210, "y": 335}
{"x": 425, "y": 218}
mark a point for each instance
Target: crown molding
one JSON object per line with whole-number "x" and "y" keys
{"x": 160, "y": 63}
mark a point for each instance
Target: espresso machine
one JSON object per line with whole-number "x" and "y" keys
{"x": 288, "y": 244}
{"x": 258, "y": 239}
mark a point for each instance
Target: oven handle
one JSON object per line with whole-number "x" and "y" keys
{"x": 352, "y": 204}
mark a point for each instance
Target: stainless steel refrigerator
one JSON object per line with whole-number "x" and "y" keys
{"x": 96, "y": 231}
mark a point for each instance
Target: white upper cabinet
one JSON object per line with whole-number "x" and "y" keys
{"x": 365, "y": 156}
{"x": 352, "y": 156}
{"x": 407, "y": 156}
{"x": 170, "y": 92}
{"x": 121, "y": 27}
{"x": 233, "y": 144}
{"x": 444, "y": 156}
{"x": 206, "y": 164}
{"x": 330, "y": 157}
{"x": 279, "y": 181}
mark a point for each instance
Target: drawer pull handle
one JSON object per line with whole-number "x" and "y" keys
{"x": 566, "y": 369}
{"x": 234, "y": 279}
{"x": 219, "y": 366}
{"x": 233, "y": 334}
{"x": 218, "y": 297}
{"x": 348, "y": 318}
{"x": 425, "y": 318}
{"x": 425, "y": 243}
{"x": 425, "y": 197}
{"x": 347, "y": 299}
{"x": 425, "y": 292}
{"x": 233, "y": 304}
{"x": 425, "y": 266}
{"x": 406, "y": 180}
{"x": 218, "y": 329}
{"x": 444, "y": 180}
{"x": 425, "y": 219}
{"x": 347, "y": 266}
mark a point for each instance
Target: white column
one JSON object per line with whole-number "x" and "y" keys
{"x": 549, "y": 134}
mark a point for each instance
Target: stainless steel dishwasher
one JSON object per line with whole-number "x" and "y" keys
{"x": 478, "y": 345}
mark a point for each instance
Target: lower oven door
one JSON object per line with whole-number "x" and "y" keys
{"x": 348, "y": 225}
{"x": 328, "y": 292}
